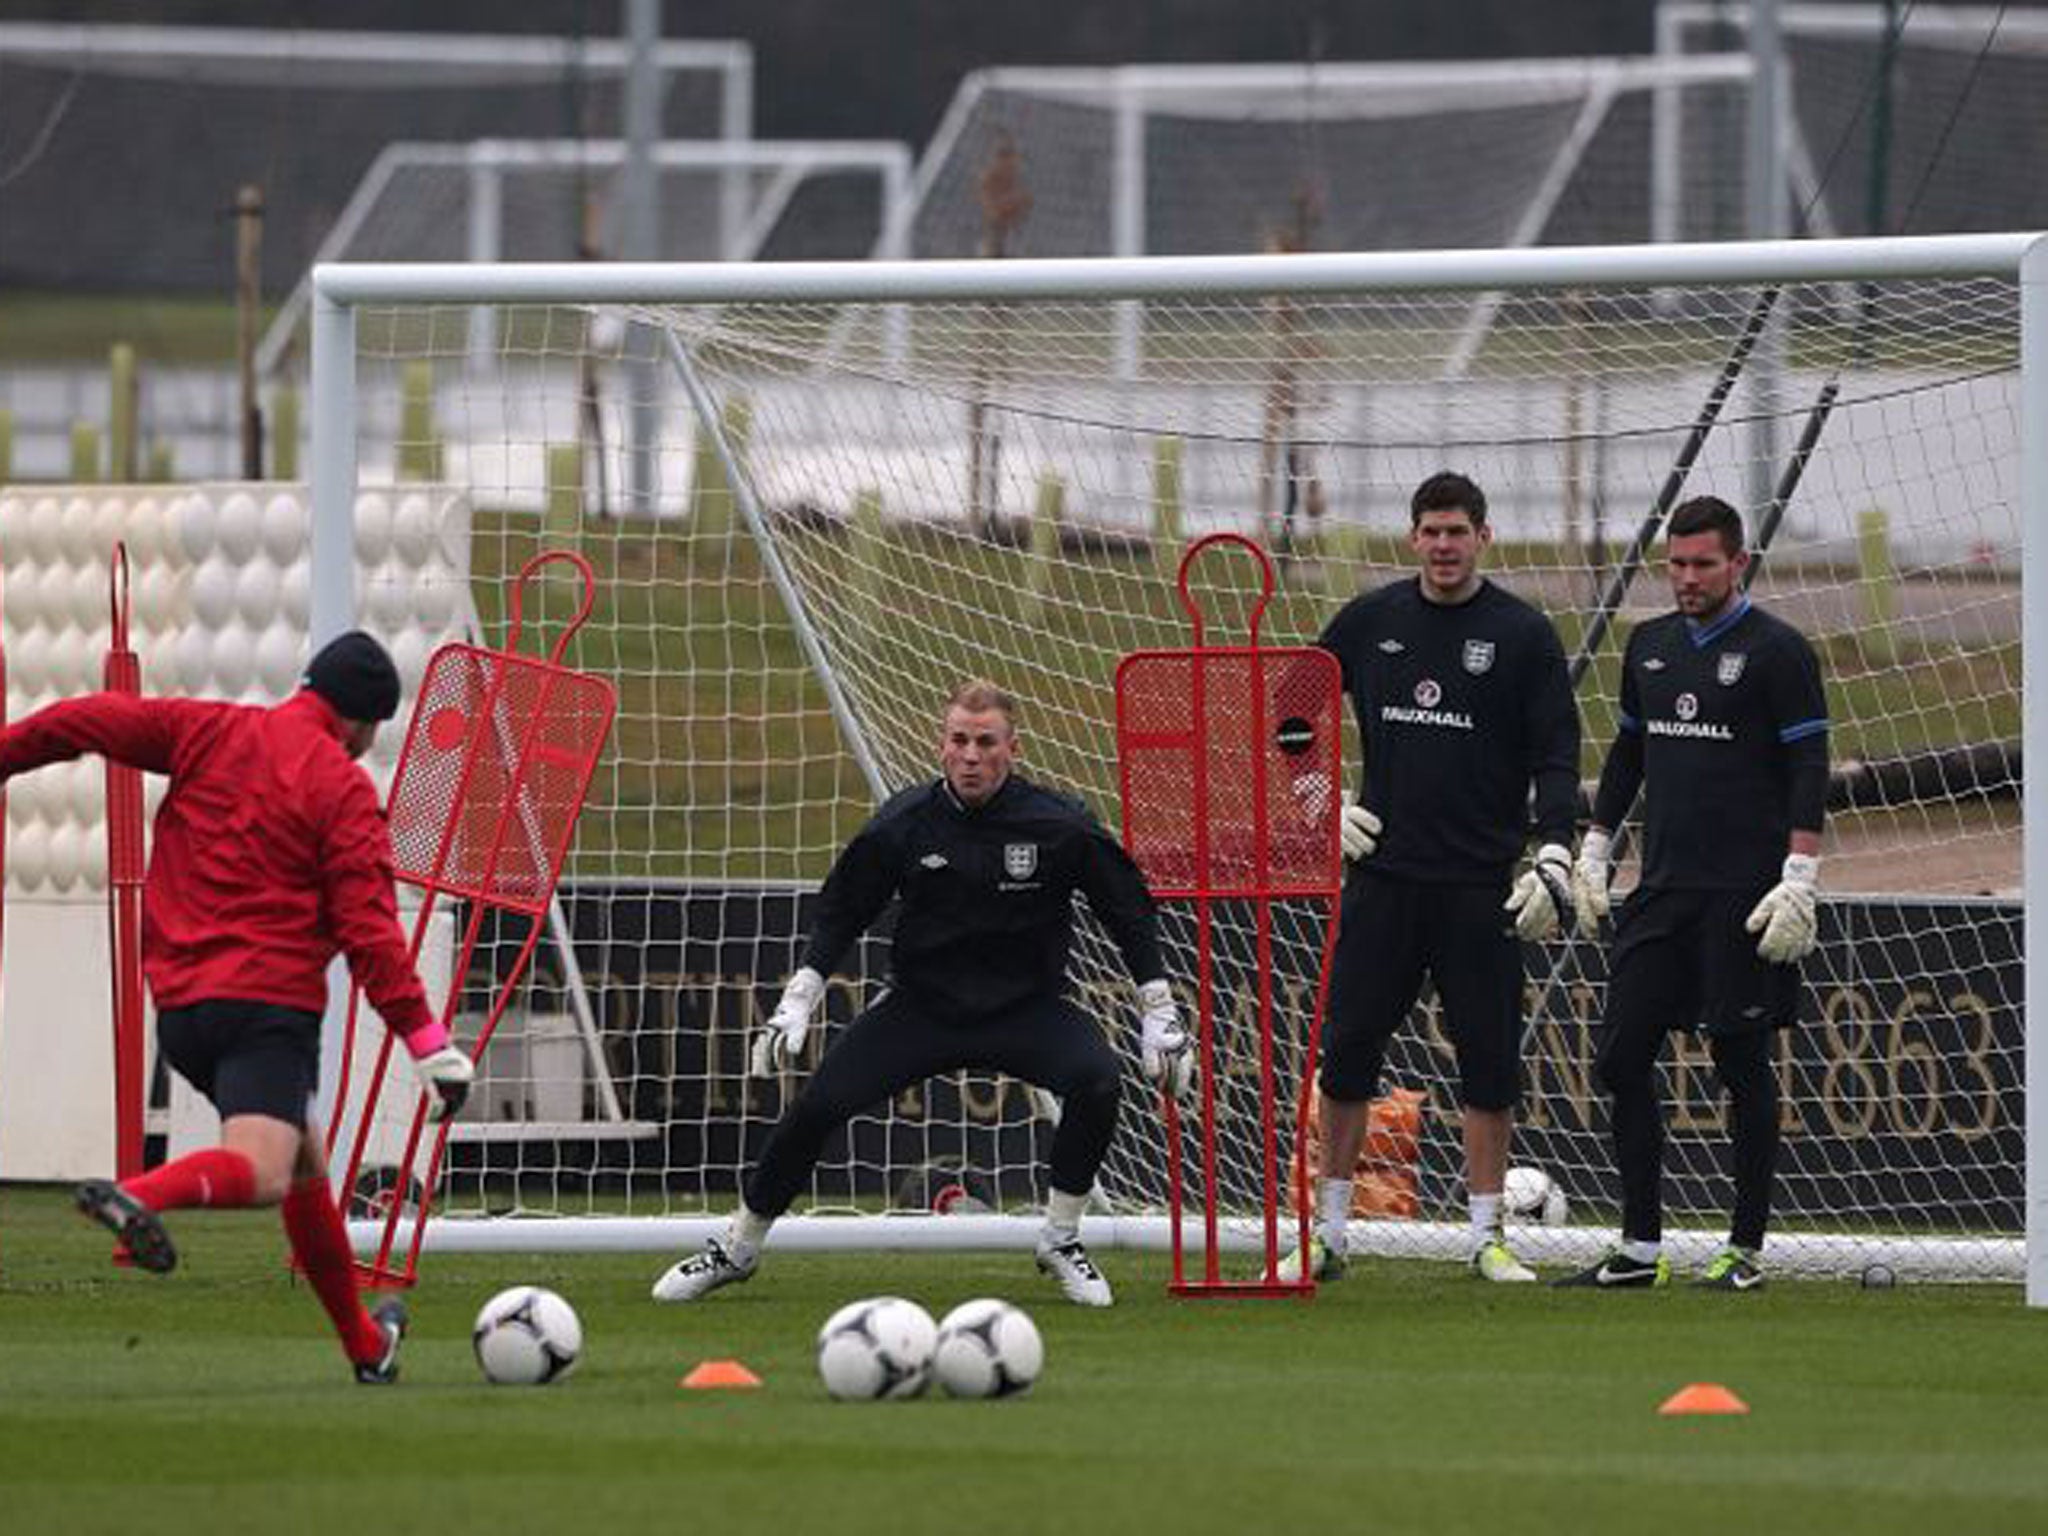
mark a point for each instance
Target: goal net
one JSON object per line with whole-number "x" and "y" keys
{"x": 1212, "y": 159}
{"x": 1904, "y": 119}
{"x": 562, "y": 200}
{"x": 892, "y": 477}
{"x": 303, "y": 113}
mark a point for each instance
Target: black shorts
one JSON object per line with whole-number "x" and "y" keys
{"x": 248, "y": 1058}
{"x": 1391, "y": 932}
{"x": 1683, "y": 960}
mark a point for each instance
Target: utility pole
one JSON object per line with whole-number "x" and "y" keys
{"x": 1768, "y": 204}
{"x": 640, "y": 240}
{"x": 248, "y": 319}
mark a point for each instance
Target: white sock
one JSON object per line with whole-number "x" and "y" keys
{"x": 1483, "y": 1217}
{"x": 1641, "y": 1252}
{"x": 746, "y": 1234}
{"x": 1333, "y": 1205}
{"x": 1063, "y": 1217}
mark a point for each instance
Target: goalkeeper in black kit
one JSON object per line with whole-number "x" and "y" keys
{"x": 985, "y": 865}
{"x": 1724, "y": 726}
{"x": 1465, "y": 712}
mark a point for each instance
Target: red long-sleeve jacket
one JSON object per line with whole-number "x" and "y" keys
{"x": 271, "y": 852}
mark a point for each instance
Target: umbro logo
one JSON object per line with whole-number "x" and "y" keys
{"x": 1392, "y": 647}
{"x": 933, "y": 861}
{"x": 1654, "y": 664}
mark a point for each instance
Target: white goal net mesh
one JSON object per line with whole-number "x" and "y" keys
{"x": 930, "y": 491}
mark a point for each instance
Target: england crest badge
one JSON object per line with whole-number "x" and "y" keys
{"x": 1020, "y": 860}
{"x": 1478, "y": 656}
{"x": 1728, "y": 668}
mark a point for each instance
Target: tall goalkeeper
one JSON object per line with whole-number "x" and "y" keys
{"x": 1465, "y": 712}
{"x": 270, "y": 856}
{"x": 985, "y": 865}
{"x": 1724, "y": 726}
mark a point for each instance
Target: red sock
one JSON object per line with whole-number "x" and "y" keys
{"x": 320, "y": 1244}
{"x": 211, "y": 1176}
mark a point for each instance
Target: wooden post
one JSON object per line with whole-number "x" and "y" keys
{"x": 867, "y": 549}
{"x": 1879, "y": 579}
{"x": 284, "y": 433}
{"x": 563, "y": 520}
{"x": 1166, "y": 500}
{"x": 248, "y": 314}
{"x": 85, "y": 453}
{"x": 1046, "y": 517}
{"x": 123, "y": 442}
{"x": 419, "y": 451}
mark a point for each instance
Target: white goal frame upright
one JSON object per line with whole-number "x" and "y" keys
{"x": 2021, "y": 259}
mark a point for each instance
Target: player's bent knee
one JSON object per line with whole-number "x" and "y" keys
{"x": 1100, "y": 1083}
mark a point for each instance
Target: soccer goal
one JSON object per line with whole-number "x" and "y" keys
{"x": 1903, "y": 119}
{"x": 901, "y": 474}
{"x": 303, "y": 111}
{"x": 558, "y": 200}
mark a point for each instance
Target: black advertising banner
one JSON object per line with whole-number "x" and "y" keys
{"x": 1903, "y": 1101}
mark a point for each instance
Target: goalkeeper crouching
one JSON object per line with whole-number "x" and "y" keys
{"x": 985, "y": 865}
{"x": 270, "y": 856}
{"x": 1724, "y": 727}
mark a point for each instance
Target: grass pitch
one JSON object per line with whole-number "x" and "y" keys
{"x": 1408, "y": 1398}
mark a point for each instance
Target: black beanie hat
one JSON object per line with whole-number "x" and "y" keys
{"x": 355, "y": 674}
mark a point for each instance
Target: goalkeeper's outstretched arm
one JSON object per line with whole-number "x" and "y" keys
{"x": 1118, "y": 897}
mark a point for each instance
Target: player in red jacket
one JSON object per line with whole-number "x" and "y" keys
{"x": 270, "y": 855}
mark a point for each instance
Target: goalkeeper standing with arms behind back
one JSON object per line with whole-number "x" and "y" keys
{"x": 1724, "y": 726}
{"x": 1463, "y": 707}
{"x": 986, "y": 865}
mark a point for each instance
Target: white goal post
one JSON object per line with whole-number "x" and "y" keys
{"x": 909, "y": 472}
{"x": 723, "y": 200}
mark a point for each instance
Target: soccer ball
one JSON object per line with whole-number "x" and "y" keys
{"x": 527, "y": 1337}
{"x": 1533, "y": 1195}
{"x": 987, "y": 1348}
{"x": 881, "y": 1347}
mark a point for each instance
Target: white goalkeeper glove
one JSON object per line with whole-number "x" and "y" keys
{"x": 781, "y": 1040}
{"x": 1786, "y": 916}
{"x": 1542, "y": 898}
{"x": 1360, "y": 830}
{"x": 445, "y": 1075}
{"x": 1163, "y": 1045}
{"x": 1590, "y": 879}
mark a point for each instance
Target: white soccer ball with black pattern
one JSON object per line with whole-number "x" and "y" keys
{"x": 877, "y": 1348}
{"x": 987, "y": 1348}
{"x": 527, "y": 1337}
{"x": 1530, "y": 1194}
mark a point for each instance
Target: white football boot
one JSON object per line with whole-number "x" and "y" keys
{"x": 702, "y": 1273}
{"x": 1496, "y": 1261}
{"x": 1069, "y": 1264}
{"x": 1325, "y": 1262}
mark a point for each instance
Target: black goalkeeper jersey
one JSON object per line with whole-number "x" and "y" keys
{"x": 1725, "y": 727}
{"x": 987, "y": 894}
{"x": 1461, "y": 708}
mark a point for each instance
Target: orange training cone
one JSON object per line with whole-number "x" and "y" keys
{"x": 1703, "y": 1397}
{"x": 721, "y": 1373}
